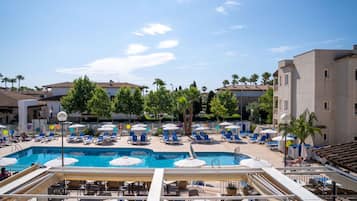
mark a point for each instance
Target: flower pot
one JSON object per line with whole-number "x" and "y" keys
{"x": 182, "y": 185}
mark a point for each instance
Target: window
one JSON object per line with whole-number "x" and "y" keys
{"x": 325, "y": 136}
{"x": 285, "y": 105}
{"x": 286, "y": 79}
{"x": 280, "y": 104}
{"x": 326, "y": 74}
{"x": 356, "y": 74}
{"x": 326, "y": 105}
{"x": 280, "y": 80}
{"x": 355, "y": 108}
{"x": 276, "y": 103}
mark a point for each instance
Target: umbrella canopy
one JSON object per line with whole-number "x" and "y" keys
{"x": 268, "y": 131}
{"x": 2, "y": 126}
{"x": 7, "y": 161}
{"x": 58, "y": 162}
{"x": 105, "y": 129}
{"x": 138, "y": 129}
{"x": 281, "y": 138}
{"x": 109, "y": 126}
{"x": 225, "y": 124}
{"x": 169, "y": 125}
{"x": 77, "y": 126}
{"x": 190, "y": 163}
{"x": 196, "y": 125}
{"x": 125, "y": 161}
{"x": 140, "y": 125}
{"x": 201, "y": 128}
{"x": 254, "y": 163}
{"x": 233, "y": 127}
{"x": 171, "y": 128}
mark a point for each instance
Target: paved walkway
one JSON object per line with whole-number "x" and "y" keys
{"x": 253, "y": 150}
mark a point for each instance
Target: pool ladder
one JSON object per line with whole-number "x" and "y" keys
{"x": 215, "y": 161}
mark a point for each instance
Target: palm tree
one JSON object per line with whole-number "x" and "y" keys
{"x": 204, "y": 88}
{"x": 5, "y": 80}
{"x": 235, "y": 78}
{"x": 159, "y": 83}
{"x": 144, "y": 89}
{"x": 19, "y": 78}
{"x": 192, "y": 94}
{"x": 243, "y": 80}
{"x": 182, "y": 106}
{"x": 12, "y": 81}
{"x": 253, "y": 78}
{"x": 265, "y": 78}
{"x": 225, "y": 83}
{"x": 1, "y": 76}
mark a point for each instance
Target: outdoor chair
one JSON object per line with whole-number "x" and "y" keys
{"x": 88, "y": 139}
{"x": 72, "y": 138}
{"x": 100, "y": 140}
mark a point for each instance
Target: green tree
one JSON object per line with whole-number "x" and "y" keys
{"x": 266, "y": 104}
{"x": 100, "y": 104}
{"x": 5, "y": 80}
{"x": 19, "y": 78}
{"x": 243, "y": 80}
{"x": 253, "y": 78}
{"x": 128, "y": 102}
{"x": 77, "y": 97}
{"x": 159, "y": 83}
{"x": 182, "y": 106}
{"x": 265, "y": 78}
{"x": 235, "y": 78}
{"x": 217, "y": 108}
{"x": 225, "y": 83}
{"x": 210, "y": 96}
{"x": 158, "y": 102}
{"x": 12, "y": 81}
{"x": 229, "y": 101}
{"x": 204, "y": 88}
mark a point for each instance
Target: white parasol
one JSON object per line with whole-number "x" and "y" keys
{"x": 201, "y": 128}
{"x": 109, "y": 126}
{"x": 58, "y": 162}
{"x": 171, "y": 128}
{"x": 125, "y": 161}
{"x": 281, "y": 138}
{"x": 2, "y": 126}
{"x": 169, "y": 125}
{"x": 225, "y": 124}
{"x": 268, "y": 131}
{"x": 138, "y": 129}
{"x": 77, "y": 126}
{"x": 139, "y": 125}
{"x": 233, "y": 127}
{"x": 105, "y": 129}
{"x": 7, "y": 161}
{"x": 190, "y": 163}
{"x": 254, "y": 163}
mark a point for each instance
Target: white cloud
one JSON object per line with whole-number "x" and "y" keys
{"x": 168, "y": 44}
{"x": 227, "y": 5}
{"x": 221, "y": 9}
{"x": 119, "y": 67}
{"x": 153, "y": 29}
{"x": 138, "y": 34}
{"x": 281, "y": 49}
{"x": 136, "y": 49}
{"x": 237, "y": 27}
{"x": 234, "y": 54}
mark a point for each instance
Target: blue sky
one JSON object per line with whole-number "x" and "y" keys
{"x": 178, "y": 41}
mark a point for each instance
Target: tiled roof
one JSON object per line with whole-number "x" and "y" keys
{"x": 10, "y": 98}
{"x": 342, "y": 155}
{"x": 245, "y": 88}
{"x": 101, "y": 84}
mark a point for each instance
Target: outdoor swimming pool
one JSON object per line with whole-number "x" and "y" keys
{"x": 100, "y": 157}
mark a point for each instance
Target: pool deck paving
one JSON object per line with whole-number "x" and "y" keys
{"x": 258, "y": 151}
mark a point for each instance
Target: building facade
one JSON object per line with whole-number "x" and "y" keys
{"x": 246, "y": 94}
{"x": 324, "y": 82}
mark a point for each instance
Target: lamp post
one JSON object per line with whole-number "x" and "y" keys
{"x": 284, "y": 119}
{"x": 62, "y": 117}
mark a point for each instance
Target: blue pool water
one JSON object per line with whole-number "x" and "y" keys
{"x": 100, "y": 157}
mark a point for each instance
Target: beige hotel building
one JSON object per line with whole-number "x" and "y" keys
{"x": 324, "y": 82}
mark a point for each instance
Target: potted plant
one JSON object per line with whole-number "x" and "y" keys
{"x": 231, "y": 189}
